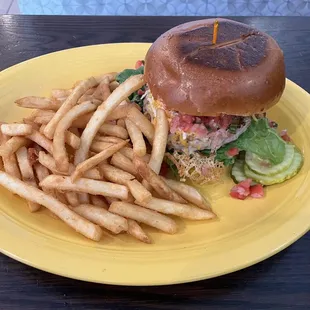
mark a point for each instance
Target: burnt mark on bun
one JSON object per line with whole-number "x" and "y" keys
{"x": 238, "y": 47}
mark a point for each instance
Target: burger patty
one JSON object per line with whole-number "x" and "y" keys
{"x": 192, "y": 133}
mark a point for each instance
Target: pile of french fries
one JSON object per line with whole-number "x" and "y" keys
{"x": 93, "y": 159}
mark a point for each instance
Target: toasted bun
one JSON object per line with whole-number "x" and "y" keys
{"x": 242, "y": 74}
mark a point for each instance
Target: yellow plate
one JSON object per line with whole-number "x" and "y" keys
{"x": 247, "y": 232}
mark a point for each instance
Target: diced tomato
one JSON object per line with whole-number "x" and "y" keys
{"x": 241, "y": 190}
{"x": 285, "y": 136}
{"x": 257, "y": 191}
{"x": 139, "y": 64}
{"x": 164, "y": 169}
{"x": 233, "y": 152}
{"x": 141, "y": 92}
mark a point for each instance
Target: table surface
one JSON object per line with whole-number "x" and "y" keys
{"x": 281, "y": 282}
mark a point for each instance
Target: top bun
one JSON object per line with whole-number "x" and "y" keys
{"x": 242, "y": 74}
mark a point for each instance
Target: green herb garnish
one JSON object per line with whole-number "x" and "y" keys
{"x": 259, "y": 139}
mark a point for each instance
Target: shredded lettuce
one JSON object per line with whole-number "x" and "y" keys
{"x": 259, "y": 139}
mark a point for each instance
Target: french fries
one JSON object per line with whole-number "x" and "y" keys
{"x": 60, "y": 153}
{"x": 41, "y": 140}
{"x": 139, "y": 147}
{"x": 189, "y": 193}
{"x": 85, "y": 146}
{"x": 108, "y": 139}
{"x": 102, "y": 91}
{"x": 174, "y": 208}
{"x": 142, "y": 123}
{"x": 115, "y": 175}
{"x": 128, "y": 152}
{"x": 95, "y": 160}
{"x": 143, "y": 215}
{"x": 35, "y": 195}
{"x": 70, "y": 102}
{"x": 49, "y": 162}
{"x": 139, "y": 192}
{"x": 12, "y": 145}
{"x": 112, "y": 222}
{"x": 27, "y": 174}
{"x": 160, "y": 140}
{"x": 114, "y": 131}
{"x": 120, "y": 161}
{"x": 121, "y": 93}
{"x": 135, "y": 230}
{"x": 88, "y": 186}
{"x": 16, "y": 129}
{"x": 38, "y": 103}
{"x": 155, "y": 181}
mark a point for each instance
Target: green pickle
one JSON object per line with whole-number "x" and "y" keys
{"x": 252, "y": 167}
{"x": 280, "y": 177}
{"x": 264, "y": 167}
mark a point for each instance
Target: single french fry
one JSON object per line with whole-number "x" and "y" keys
{"x": 108, "y": 139}
{"x": 112, "y": 222}
{"x": 16, "y": 129}
{"x": 111, "y": 76}
{"x": 12, "y": 145}
{"x": 120, "y": 161}
{"x": 41, "y": 140}
{"x": 41, "y": 103}
{"x": 95, "y": 160}
{"x": 11, "y": 166}
{"x": 189, "y": 193}
{"x": 135, "y": 230}
{"x": 141, "y": 121}
{"x": 72, "y": 140}
{"x": 99, "y": 201}
{"x": 128, "y": 152}
{"x": 160, "y": 141}
{"x": 9, "y": 162}
{"x": 102, "y": 91}
{"x": 83, "y": 185}
{"x": 139, "y": 192}
{"x": 121, "y": 93}
{"x": 114, "y": 131}
{"x": 60, "y": 153}
{"x": 70, "y": 102}
{"x": 93, "y": 173}
{"x": 136, "y": 137}
{"x": 115, "y": 175}
{"x": 155, "y": 181}
{"x": 98, "y": 146}
{"x": 186, "y": 211}
{"x": 41, "y": 173}
{"x": 27, "y": 174}
{"x": 44, "y": 119}
{"x": 113, "y": 85}
{"x": 35, "y": 195}
{"x": 72, "y": 199}
{"x": 143, "y": 215}
{"x": 61, "y": 93}
{"x": 121, "y": 123}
